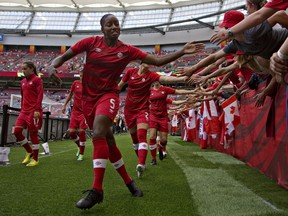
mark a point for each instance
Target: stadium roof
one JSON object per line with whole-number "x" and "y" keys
{"x": 78, "y": 16}
{"x": 97, "y": 5}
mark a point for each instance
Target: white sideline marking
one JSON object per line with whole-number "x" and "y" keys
{"x": 216, "y": 192}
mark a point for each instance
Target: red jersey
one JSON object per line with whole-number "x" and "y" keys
{"x": 277, "y": 4}
{"x": 158, "y": 101}
{"x": 104, "y": 65}
{"x": 76, "y": 90}
{"x": 138, "y": 88}
{"x": 32, "y": 94}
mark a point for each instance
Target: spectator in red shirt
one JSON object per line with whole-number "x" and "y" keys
{"x": 30, "y": 116}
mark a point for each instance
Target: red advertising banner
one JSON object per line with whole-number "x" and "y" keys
{"x": 260, "y": 139}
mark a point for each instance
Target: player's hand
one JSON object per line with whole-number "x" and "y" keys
{"x": 219, "y": 36}
{"x": 63, "y": 110}
{"x": 192, "y": 47}
{"x": 52, "y": 72}
{"x": 56, "y": 79}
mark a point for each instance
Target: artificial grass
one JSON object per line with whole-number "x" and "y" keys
{"x": 189, "y": 182}
{"x": 223, "y": 185}
{"x": 54, "y": 187}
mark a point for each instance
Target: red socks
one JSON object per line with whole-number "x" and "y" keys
{"x": 143, "y": 146}
{"x": 153, "y": 148}
{"x": 100, "y": 157}
{"x": 115, "y": 158}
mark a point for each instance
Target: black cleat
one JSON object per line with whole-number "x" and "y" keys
{"x": 92, "y": 198}
{"x": 161, "y": 156}
{"x": 133, "y": 188}
{"x": 153, "y": 162}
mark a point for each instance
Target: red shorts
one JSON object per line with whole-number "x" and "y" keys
{"x": 107, "y": 104}
{"x": 77, "y": 120}
{"x": 26, "y": 120}
{"x": 134, "y": 118}
{"x": 161, "y": 124}
{"x": 277, "y": 4}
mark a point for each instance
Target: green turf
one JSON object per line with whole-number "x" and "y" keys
{"x": 189, "y": 182}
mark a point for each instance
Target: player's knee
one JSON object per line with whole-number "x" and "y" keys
{"x": 18, "y": 131}
{"x": 72, "y": 134}
{"x": 163, "y": 143}
{"x": 21, "y": 139}
{"x": 34, "y": 137}
{"x": 82, "y": 134}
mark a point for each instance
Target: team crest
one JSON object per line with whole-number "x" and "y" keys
{"x": 119, "y": 55}
{"x": 30, "y": 83}
{"x": 98, "y": 50}
{"x": 143, "y": 79}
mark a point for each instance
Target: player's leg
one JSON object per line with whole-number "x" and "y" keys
{"x": 116, "y": 159}
{"x": 21, "y": 139}
{"x": 153, "y": 145}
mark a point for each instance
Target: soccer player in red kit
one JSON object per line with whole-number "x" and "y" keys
{"x": 77, "y": 119}
{"x": 106, "y": 58}
{"x": 30, "y": 116}
{"x": 158, "y": 116}
{"x": 136, "y": 110}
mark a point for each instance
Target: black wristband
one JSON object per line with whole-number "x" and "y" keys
{"x": 230, "y": 33}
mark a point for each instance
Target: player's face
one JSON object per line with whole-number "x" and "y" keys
{"x": 27, "y": 71}
{"x": 111, "y": 27}
{"x": 144, "y": 67}
{"x": 156, "y": 85}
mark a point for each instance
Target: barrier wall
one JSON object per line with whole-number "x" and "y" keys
{"x": 261, "y": 139}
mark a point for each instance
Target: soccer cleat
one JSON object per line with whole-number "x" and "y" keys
{"x": 164, "y": 154}
{"x": 133, "y": 188}
{"x": 80, "y": 157}
{"x": 78, "y": 153}
{"x": 140, "y": 169}
{"x": 27, "y": 158}
{"x": 92, "y": 198}
{"x": 33, "y": 163}
{"x": 161, "y": 156}
{"x": 153, "y": 162}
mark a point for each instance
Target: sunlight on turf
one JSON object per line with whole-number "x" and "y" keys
{"x": 216, "y": 157}
{"x": 217, "y": 193}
